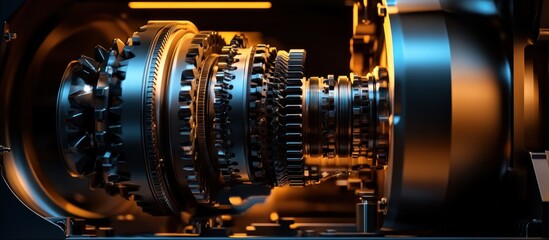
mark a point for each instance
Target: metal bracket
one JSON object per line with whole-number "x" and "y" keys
{"x": 540, "y": 163}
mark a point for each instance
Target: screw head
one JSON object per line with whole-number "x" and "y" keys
{"x": 381, "y": 10}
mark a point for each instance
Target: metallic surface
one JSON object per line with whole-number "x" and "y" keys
{"x": 431, "y": 131}
{"x": 239, "y": 114}
{"x": 135, "y": 87}
{"x": 449, "y": 138}
{"x": 92, "y": 90}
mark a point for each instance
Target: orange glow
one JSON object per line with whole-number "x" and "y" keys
{"x": 273, "y": 217}
{"x": 239, "y": 235}
{"x": 250, "y": 228}
{"x": 200, "y": 5}
{"x": 235, "y": 200}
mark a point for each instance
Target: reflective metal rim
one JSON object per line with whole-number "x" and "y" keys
{"x": 143, "y": 148}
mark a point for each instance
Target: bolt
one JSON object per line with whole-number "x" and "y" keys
{"x": 382, "y": 206}
{"x": 4, "y": 149}
{"x": 9, "y": 36}
{"x": 381, "y": 10}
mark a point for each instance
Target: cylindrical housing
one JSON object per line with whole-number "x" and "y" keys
{"x": 450, "y": 87}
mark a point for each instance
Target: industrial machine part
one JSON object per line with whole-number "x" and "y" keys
{"x": 205, "y": 115}
{"x": 186, "y": 131}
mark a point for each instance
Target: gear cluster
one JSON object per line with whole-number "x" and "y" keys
{"x": 90, "y": 117}
{"x": 210, "y": 115}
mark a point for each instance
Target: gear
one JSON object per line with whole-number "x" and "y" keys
{"x": 203, "y": 44}
{"x": 361, "y": 116}
{"x": 221, "y": 108}
{"x": 267, "y": 114}
{"x": 240, "y": 113}
{"x": 94, "y": 118}
{"x": 328, "y": 117}
{"x": 164, "y": 201}
{"x": 280, "y": 177}
{"x": 259, "y": 112}
{"x": 293, "y": 117}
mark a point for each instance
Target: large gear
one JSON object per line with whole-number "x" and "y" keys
{"x": 164, "y": 201}
{"x": 221, "y": 107}
{"x": 259, "y": 112}
{"x": 203, "y": 44}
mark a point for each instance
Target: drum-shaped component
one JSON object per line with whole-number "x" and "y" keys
{"x": 450, "y": 86}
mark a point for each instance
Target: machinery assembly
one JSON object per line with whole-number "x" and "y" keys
{"x": 435, "y": 128}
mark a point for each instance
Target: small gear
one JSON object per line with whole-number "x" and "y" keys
{"x": 328, "y": 117}
{"x": 361, "y": 116}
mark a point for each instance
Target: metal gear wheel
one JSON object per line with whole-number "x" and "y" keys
{"x": 221, "y": 125}
{"x": 203, "y": 44}
{"x": 92, "y": 140}
{"x": 293, "y": 117}
{"x": 280, "y": 177}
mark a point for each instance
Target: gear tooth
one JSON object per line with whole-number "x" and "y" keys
{"x": 88, "y": 64}
{"x": 127, "y": 53}
{"x": 124, "y": 63}
{"x": 260, "y": 56}
{"x": 83, "y": 98}
{"x": 239, "y": 40}
{"x": 76, "y": 118}
{"x": 100, "y": 54}
{"x": 81, "y": 143}
{"x": 118, "y": 45}
{"x": 258, "y": 68}
{"x": 136, "y": 40}
{"x": 129, "y": 41}
{"x": 116, "y": 130}
{"x": 121, "y": 72}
